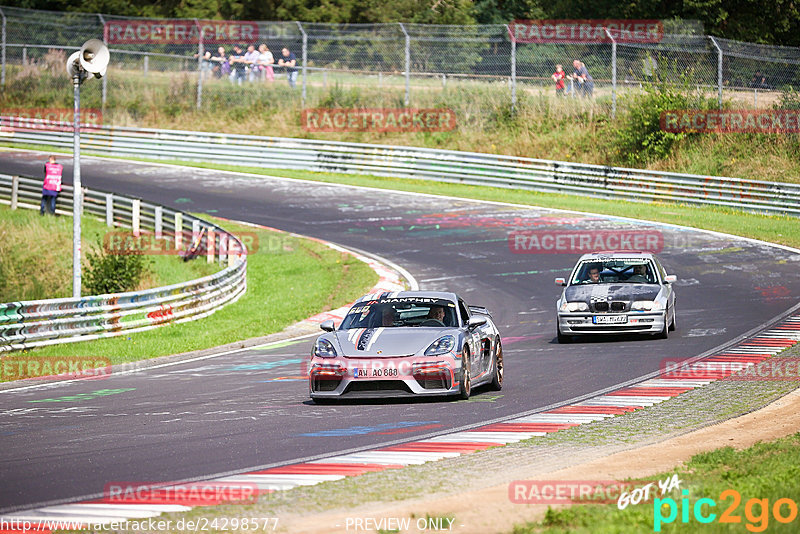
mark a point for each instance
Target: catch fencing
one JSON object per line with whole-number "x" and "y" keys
{"x": 428, "y": 164}
{"x": 30, "y": 324}
{"x": 397, "y": 63}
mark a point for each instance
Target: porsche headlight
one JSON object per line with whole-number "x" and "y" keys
{"x": 574, "y": 307}
{"x": 646, "y": 305}
{"x": 324, "y": 349}
{"x": 443, "y": 345}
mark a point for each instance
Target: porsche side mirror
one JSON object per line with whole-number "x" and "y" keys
{"x": 670, "y": 279}
{"x": 328, "y": 325}
{"x": 561, "y": 281}
{"x": 476, "y": 321}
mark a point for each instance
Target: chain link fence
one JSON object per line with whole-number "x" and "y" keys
{"x": 181, "y": 65}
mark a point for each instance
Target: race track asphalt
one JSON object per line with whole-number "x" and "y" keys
{"x": 250, "y": 408}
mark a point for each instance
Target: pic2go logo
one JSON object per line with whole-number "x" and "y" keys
{"x": 756, "y": 511}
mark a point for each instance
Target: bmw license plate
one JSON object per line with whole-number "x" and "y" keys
{"x": 609, "y": 319}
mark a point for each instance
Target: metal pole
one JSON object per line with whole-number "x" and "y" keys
{"x": 146, "y": 64}
{"x": 305, "y": 58}
{"x": 513, "y": 71}
{"x": 408, "y": 61}
{"x": 77, "y": 197}
{"x": 105, "y": 77}
{"x": 3, "y": 53}
{"x": 719, "y": 70}
{"x": 199, "y": 65}
{"x": 613, "y": 74}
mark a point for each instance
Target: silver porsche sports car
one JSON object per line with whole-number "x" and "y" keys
{"x": 616, "y": 292}
{"x": 407, "y": 343}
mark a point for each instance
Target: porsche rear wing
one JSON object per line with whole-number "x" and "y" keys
{"x": 480, "y": 309}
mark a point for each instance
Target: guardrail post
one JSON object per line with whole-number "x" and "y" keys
{"x": 211, "y": 243}
{"x": 408, "y": 61}
{"x": 158, "y": 214}
{"x": 14, "y": 191}
{"x": 233, "y": 253}
{"x": 223, "y": 247}
{"x": 719, "y": 70}
{"x": 195, "y": 230}
{"x": 305, "y": 60}
{"x": 178, "y": 230}
{"x": 136, "y": 206}
{"x": 3, "y": 53}
{"x": 109, "y": 209}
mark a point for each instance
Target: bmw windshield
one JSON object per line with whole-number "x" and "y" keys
{"x": 617, "y": 270}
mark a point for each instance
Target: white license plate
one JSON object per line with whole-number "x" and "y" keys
{"x": 609, "y": 319}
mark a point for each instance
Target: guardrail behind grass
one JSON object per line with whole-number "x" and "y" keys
{"x": 418, "y": 163}
{"x": 31, "y": 324}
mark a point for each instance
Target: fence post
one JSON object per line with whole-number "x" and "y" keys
{"x": 195, "y": 230}
{"x": 14, "y": 191}
{"x": 613, "y": 74}
{"x": 178, "y": 230}
{"x": 158, "y": 213}
{"x": 146, "y": 65}
{"x": 199, "y": 65}
{"x": 104, "y": 79}
{"x": 513, "y": 70}
{"x": 109, "y": 209}
{"x": 305, "y": 60}
{"x": 3, "y": 52}
{"x": 719, "y": 70}
{"x": 136, "y": 206}
{"x": 408, "y": 61}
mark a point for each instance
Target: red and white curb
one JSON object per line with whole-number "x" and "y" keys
{"x": 667, "y": 385}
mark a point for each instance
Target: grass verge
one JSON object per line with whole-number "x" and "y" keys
{"x": 36, "y": 257}
{"x": 279, "y": 293}
{"x": 755, "y": 480}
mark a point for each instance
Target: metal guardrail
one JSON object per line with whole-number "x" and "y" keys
{"x": 419, "y": 163}
{"x": 30, "y": 324}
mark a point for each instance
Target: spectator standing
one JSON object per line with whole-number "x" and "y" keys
{"x": 265, "y": 62}
{"x": 289, "y": 62}
{"x": 52, "y": 185}
{"x": 251, "y": 62}
{"x": 238, "y": 66}
{"x": 584, "y": 79}
{"x": 558, "y": 77}
{"x": 222, "y": 67}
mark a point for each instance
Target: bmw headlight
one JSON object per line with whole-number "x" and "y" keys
{"x": 574, "y": 307}
{"x": 324, "y": 349}
{"x": 646, "y": 305}
{"x": 443, "y": 345}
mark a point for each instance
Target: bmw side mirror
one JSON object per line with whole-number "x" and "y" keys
{"x": 561, "y": 281}
{"x": 476, "y": 321}
{"x": 670, "y": 278}
{"x": 328, "y": 325}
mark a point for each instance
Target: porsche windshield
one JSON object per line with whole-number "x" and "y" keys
{"x": 400, "y": 311}
{"x": 617, "y": 270}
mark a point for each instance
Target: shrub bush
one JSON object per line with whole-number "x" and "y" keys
{"x": 113, "y": 271}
